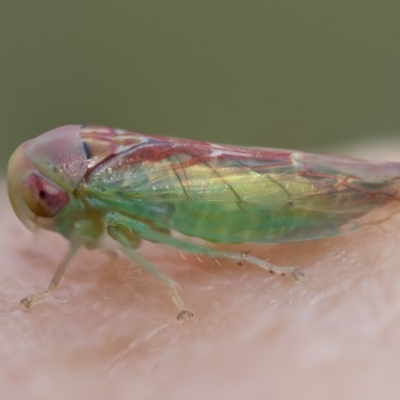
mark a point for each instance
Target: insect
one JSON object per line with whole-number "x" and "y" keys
{"x": 85, "y": 182}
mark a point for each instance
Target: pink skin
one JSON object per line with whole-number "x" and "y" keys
{"x": 109, "y": 331}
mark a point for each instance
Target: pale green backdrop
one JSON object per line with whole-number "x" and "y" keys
{"x": 298, "y": 74}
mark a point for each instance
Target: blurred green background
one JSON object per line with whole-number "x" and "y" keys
{"x": 296, "y": 74}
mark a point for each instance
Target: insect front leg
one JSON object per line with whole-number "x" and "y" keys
{"x": 147, "y": 233}
{"x": 27, "y": 301}
{"x": 118, "y": 233}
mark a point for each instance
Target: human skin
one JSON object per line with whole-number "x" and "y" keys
{"x": 110, "y": 329}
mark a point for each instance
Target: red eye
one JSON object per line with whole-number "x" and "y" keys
{"x": 42, "y": 197}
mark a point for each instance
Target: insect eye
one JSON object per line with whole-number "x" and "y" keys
{"x": 86, "y": 150}
{"x": 42, "y": 197}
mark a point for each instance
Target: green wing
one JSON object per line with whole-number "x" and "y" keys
{"x": 244, "y": 195}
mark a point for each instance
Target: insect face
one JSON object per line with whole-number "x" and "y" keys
{"x": 43, "y": 172}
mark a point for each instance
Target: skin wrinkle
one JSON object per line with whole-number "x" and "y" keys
{"x": 110, "y": 330}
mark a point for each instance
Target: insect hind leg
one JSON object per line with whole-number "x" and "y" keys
{"x": 240, "y": 258}
{"x": 294, "y": 272}
{"x": 145, "y": 231}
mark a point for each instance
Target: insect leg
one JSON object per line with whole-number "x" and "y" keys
{"x": 117, "y": 233}
{"x": 27, "y": 301}
{"x": 147, "y": 233}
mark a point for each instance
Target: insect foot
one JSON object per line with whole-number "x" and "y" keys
{"x": 296, "y": 274}
{"x": 184, "y": 315}
{"x": 26, "y": 303}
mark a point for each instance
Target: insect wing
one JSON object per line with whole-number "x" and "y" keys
{"x": 228, "y": 194}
